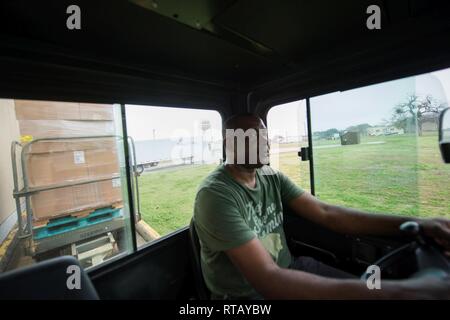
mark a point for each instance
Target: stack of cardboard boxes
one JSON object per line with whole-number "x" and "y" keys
{"x": 64, "y": 161}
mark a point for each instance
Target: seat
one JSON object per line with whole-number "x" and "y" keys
{"x": 47, "y": 280}
{"x": 194, "y": 253}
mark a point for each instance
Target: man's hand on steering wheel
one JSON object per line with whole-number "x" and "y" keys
{"x": 439, "y": 230}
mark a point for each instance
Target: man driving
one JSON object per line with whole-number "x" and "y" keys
{"x": 238, "y": 216}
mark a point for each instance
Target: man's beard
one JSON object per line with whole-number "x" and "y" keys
{"x": 252, "y": 166}
{"x": 259, "y": 162}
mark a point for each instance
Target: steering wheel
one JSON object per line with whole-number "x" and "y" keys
{"x": 422, "y": 251}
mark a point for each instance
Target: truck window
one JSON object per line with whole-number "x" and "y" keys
{"x": 63, "y": 180}
{"x": 376, "y": 148}
{"x": 175, "y": 148}
{"x": 288, "y": 134}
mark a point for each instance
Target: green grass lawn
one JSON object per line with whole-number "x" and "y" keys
{"x": 167, "y": 196}
{"x": 402, "y": 175}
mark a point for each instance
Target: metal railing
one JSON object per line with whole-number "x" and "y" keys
{"x": 25, "y": 227}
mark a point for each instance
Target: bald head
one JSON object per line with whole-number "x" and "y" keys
{"x": 244, "y": 121}
{"x": 245, "y": 141}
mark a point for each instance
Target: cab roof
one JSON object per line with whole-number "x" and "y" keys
{"x": 227, "y": 55}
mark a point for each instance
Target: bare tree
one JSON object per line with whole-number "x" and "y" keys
{"x": 414, "y": 111}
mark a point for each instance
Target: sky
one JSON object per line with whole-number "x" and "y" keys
{"x": 371, "y": 104}
{"x": 149, "y": 122}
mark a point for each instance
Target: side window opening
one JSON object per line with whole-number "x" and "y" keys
{"x": 387, "y": 158}
{"x": 64, "y": 183}
{"x": 288, "y": 134}
{"x": 374, "y": 148}
{"x": 175, "y": 148}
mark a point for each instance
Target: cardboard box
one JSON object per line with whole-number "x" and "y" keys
{"x": 65, "y": 128}
{"x": 51, "y": 203}
{"x": 60, "y": 161}
{"x": 76, "y": 199}
{"x": 46, "y": 110}
{"x": 110, "y": 191}
{"x": 95, "y": 111}
{"x": 55, "y": 110}
{"x": 45, "y": 169}
{"x": 48, "y": 146}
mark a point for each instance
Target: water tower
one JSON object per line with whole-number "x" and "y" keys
{"x": 204, "y": 126}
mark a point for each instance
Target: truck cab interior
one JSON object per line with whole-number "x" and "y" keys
{"x": 230, "y": 56}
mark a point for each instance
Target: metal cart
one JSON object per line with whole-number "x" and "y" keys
{"x": 69, "y": 230}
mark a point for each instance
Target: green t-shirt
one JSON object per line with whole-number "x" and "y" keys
{"x": 228, "y": 214}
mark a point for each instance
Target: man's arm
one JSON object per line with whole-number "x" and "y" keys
{"x": 355, "y": 222}
{"x": 273, "y": 282}
{"x": 345, "y": 220}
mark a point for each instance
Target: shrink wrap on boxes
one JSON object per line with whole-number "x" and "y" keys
{"x": 62, "y": 161}
{"x": 76, "y": 199}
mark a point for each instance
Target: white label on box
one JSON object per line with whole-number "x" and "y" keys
{"x": 78, "y": 157}
{"x": 116, "y": 183}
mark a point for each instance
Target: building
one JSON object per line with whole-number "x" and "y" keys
{"x": 430, "y": 122}
{"x": 384, "y": 131}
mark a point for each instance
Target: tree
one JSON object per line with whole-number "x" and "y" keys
{"x": 327, "y": 134}
{"x": 361, "y": 128}
{"x": 414, "y": 111}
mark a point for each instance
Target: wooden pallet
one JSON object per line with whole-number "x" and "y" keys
{"x": 68, "y": 223}
{"x": 76, "y": 214}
